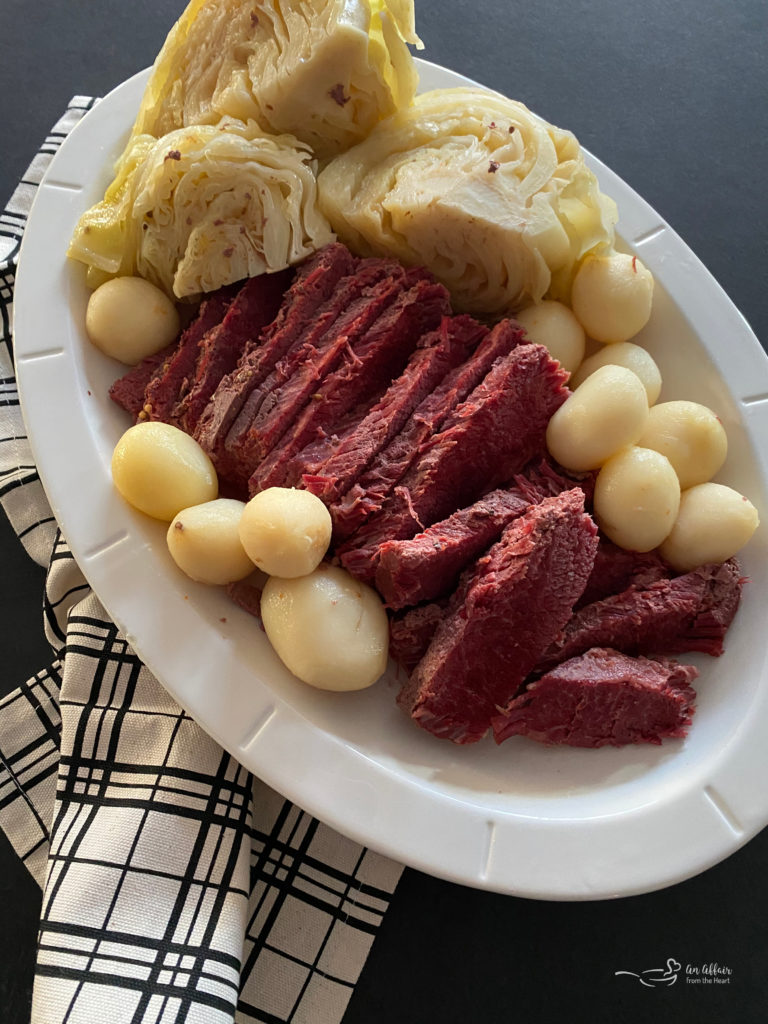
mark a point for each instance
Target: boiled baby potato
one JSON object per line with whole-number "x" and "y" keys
{"x": 160, "y": 470}
{"x": 129, "y": 319}
{"x": 204, "y": 541}
{"x": 612, "y": 296}
{"x": 554, "y": 326}
{"x": 637, "y": 496}
{"x": 608, "y": 412}
{"x": 330, "y": 630}
{"x": 623, "y": 353}
{"x": 692, "y": 438}
{"x": 713, "y": 524}
{"x": 285, "y": 531}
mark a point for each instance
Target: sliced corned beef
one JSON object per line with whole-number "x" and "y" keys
{"x": 541, "y": 479}
{"x": 603, "y": 698}
{"x": 485, "y": 441}
{"x": 428, "y": 565}
{"x": 379, "y": 356}
{"x": 313, "y": 284}
{"x": 129, "y": 390}
{"x": 616, "y": 569}
{"x": 411, "y": 632}
{"x": 689, "y": 613}
{"x": 370, "y": 491}
{"x": 166, "y": 386}
{"x": 255, "y": 306}
{"x": 330, "y": 466}
{"x": 274, "y": 405}
{"x": 515, "y": 602}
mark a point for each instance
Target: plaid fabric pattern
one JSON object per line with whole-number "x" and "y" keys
{"x": 176, "y": 887}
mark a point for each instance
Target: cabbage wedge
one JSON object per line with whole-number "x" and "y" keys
{"x": 203, "y": 207}
{"x": 323, "y": 70}
{"x": 496, "y": 202}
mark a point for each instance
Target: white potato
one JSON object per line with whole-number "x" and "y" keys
{"x": 607, "y": 413}
{"x": 327, "y": 628}
{"x": 554, "y": 326}
{"x": 160, "y": 470}
{"x": 713, "y": 524}
{"x": 623, "y": 353}
{"x": 204, "y": 541}
{"x": 285, "y": 531}
{"x": 612, "y": 296}
{"x": 637, "y": 496}
{"x": 692, "y": 438}
{"x": 129, "y": 319}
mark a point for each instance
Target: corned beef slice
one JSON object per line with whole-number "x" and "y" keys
{"x": 616, "y": 569}
{"x": 411, "y": 632}
{"x": 603, "y": 698}
{"x": 166, "y": 387}
{"x": 485, "y": 441}
{"x": 329, "y": 466}
{"x": 543, "y": 479}
{"x": 688, "y": 613}
{"x": 379, "y": 356}
{"x": 367, "y": 495}
{"x": 129, "y": 390}
{"x": 315, "y": 281}
{"x": 429, "y": 564}
{"x": 516, "y": 601}
{"x": 255, "y": 306}
{"x": 274, "y": 405}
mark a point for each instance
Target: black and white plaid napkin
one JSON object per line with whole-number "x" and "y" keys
{"x": 176, "y": 887}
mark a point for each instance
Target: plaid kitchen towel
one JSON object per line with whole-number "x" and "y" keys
{"x": 176, "y": 887}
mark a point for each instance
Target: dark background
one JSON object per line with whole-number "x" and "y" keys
{"x": 672, "y": 94}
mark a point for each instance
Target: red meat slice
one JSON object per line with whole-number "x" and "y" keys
{"x": 164, "y": 384}
{"x": 274, "y": 405}
{"x": 508, "y": 611}
{"x": 689, "y": 613}
{"x": 315, "y": 281}
{"x": 411, "y": 632}
{"x": 603, "y": 698}
{"x": 368, "y": 494}
{"x": 330, "y": 466}
{"x": 484, "y": 442}
{"x": 616, "y": 569}
{"x": 380, "y": 356}
{"x": 428, "y": 565}
{"x": 129, "y": 390}
{"x": 220, "y": 349}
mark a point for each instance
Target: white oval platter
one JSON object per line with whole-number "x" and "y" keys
{"x": 521, "y": 818}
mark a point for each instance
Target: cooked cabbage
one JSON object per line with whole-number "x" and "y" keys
{"x": 324, "y": 70}
{"x": 496, "y": 202}
{"x": 203, "y": 207}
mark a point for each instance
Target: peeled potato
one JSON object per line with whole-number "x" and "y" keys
{"x": 204, "y": 541}
{"x": 612, "y": 296}
{"x": 623, "y": 353}
{"x": 637, "y": 496}
{"x": 554, "y": 326}
{"x": 285, "y": 531}
{"x": 327, "y": 628}
{"x": 607, "y": 413}
{"x": 129, "y": 319}
{"x": 692, "y": 438}
{"x": 714, "y": 523}
{"x": 160, "y": 470}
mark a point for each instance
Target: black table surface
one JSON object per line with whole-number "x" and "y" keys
{"x": 671, "y": 94}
